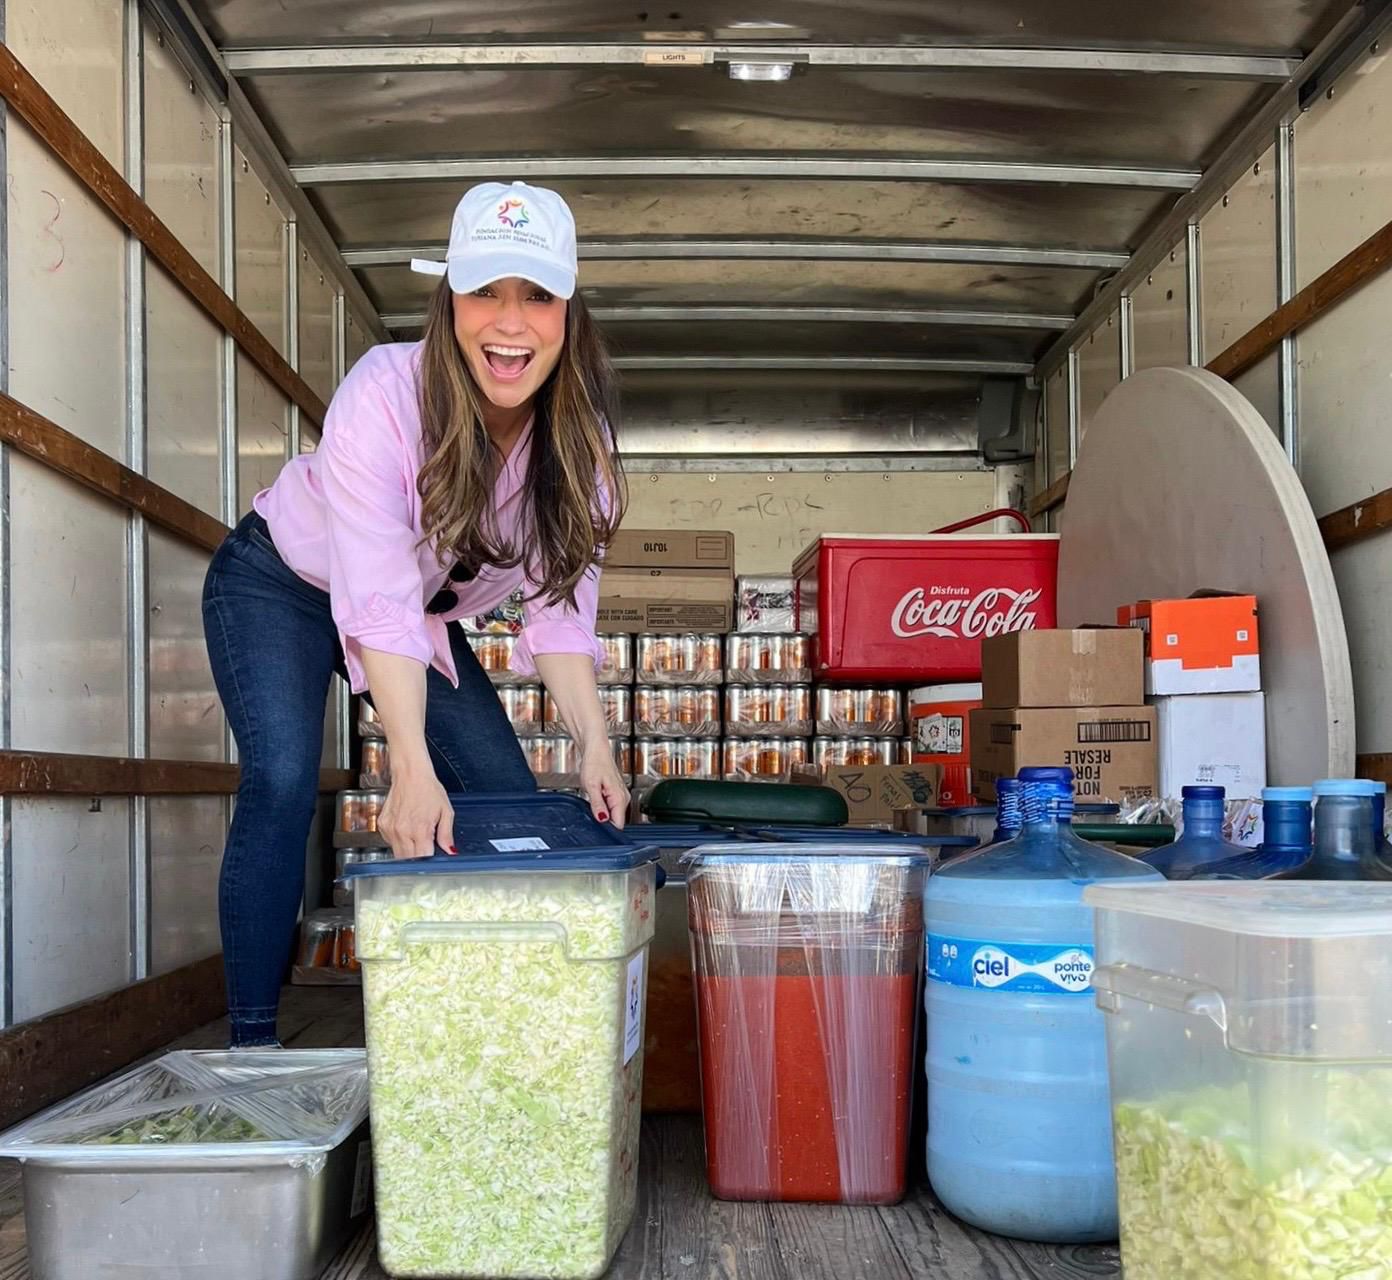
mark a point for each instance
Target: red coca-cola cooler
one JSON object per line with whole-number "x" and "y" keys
{"x": 916, "y": 607}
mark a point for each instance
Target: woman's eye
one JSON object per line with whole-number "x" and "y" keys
{"x": 484, "y": 292}
{"x": 542, "y": 296}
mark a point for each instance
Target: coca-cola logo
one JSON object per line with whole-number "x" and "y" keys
{"x": 991, "y": 612}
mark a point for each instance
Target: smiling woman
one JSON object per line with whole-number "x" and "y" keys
{"x": 452, "y": 471}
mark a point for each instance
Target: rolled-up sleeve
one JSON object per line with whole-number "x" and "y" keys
{"x": 375, "y": 587}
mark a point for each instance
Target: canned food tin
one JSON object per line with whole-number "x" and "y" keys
{"x": 762, "y": 759}
{"x": 768, "y": 710}
{"x": 345, "y": 858}
{"x": 375, "y": 769}
{"x": 676, "y": 711}
{"x": 832, "y": 753}
{"x": 681, "y": 659}
{"x": 523, "y": 705}
{"x": 552, "y": 756}
{"x": 618, "y": 660}
{"x": 360, "y": 810}
{"x": 658, "y": 758}
{"x": 494, "y": 653}
{"x": 753, "y": 659}
{"x": 615, "y": 701}
{"x": 877, "y": 713}
{"x": 369, "y": 722}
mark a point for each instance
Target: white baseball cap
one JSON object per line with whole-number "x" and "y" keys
{"x": 500, "y": 231}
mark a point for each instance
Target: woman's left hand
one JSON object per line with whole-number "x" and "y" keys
{"x": 603, "y": 784}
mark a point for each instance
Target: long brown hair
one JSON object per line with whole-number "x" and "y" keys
{"x": 566, "y": 518}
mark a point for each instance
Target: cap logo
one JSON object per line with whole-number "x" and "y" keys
{"x": 513, "y": 213}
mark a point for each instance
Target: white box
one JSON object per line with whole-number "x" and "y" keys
{"x": 1212, "y": 739}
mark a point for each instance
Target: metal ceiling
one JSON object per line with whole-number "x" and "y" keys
{"x": 934, "y": 187}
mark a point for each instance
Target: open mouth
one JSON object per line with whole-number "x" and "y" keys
{"x": 507, "y": 362}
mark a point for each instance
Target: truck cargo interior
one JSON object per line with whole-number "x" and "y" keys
{"x": 1112, "y": 272}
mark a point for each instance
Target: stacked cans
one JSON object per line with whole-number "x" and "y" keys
{"x": 768, "y": 701}
{"x": 859, "y": 727}
{"x": 676, "y": 706}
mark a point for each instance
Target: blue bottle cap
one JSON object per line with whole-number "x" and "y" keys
{"x": 1051, "y": 775}
{"x": 1292, "y": 794}
{"x": 1203, "y": 793}
{"x": 1347, "y": 787}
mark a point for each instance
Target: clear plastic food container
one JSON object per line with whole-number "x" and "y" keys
{"x": 655, "y": 759}
{"x": 861, "y": 713}
{"x": 248, "y": 1164}
{"x": 614, "y": 700}
{"x": 808, "y": 965}
{"x": 762, "y": 759}
{"x": 375, "y": 767}
{"x": 525, "y": 707}
{"x": 754, "y": 659}
{"x": 509, "y": 1146}
{"x": 832, "y": 753}
{"x": 768, "y": 710}
{"x": 681, "y": 659}
{"x": 345, "y": 858}
{"x": 369, "y": 724}
{"x": 676, "y": 711}
{"x": 618, "y": 660}
{"x": 1250, "y": 1056}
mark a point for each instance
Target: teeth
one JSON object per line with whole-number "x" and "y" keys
{"x": 507, "y": 351}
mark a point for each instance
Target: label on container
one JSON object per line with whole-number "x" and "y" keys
{"x": 1044, "y": 968}
{"x": 633, "y": 1007}
{"x": 519, "y": 844}
{"x": 362, "y": 1180}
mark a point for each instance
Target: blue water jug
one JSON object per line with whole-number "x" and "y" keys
{"x": 1287, "y": 843}
{"x": 1201, "y": 843}
{"x": 1008, "y": 814}
{"x": 1344, "y": 816}
{"x": 1019, "y": 1121}
{"x": 1378, "y": 865}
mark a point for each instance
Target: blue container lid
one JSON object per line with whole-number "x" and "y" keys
{"x": 1202, "y": 793}
{"x": 1346, "y": 787}
{"x": 603, "y": 858}
{"x": 527, "y": 821}
{"x": 1295, "y": 795}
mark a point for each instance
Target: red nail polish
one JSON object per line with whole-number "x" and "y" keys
{"x": 453, "y": 849}
{"x": 604, "y": 817}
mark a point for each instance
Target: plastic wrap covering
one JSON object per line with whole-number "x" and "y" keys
{"x": 655, "y": 759}
{"x": 615, "y": 701}
{"x": 618, "y": 660}
{"x": 555, "y": 760}
{"x": 769, "y": 711}
{"x": 784, "y": 659}
{"x": 1241, "y": 821}
{"x": 358, "y": 814}
{"x": 765, "y": 604}
{"x": 762, "y": 759}
{"x": 681, "y": 659}
{"x": 525, "y": 707}
{"x": 676, "y": 711}
{"x": 369, "y": 723}
{"x": 504, "y": 1016}
{"x": 807, "y": 967}
{"x": 375, "y": 768}
{"x": 494, "y": 653}
{"x": 860, "y": 713}
{"x": 285, "y": 1106}
{"x": 833, "y": 753}
{"x": 328, "y": 942}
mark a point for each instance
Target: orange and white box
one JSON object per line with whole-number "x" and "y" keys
{"x": 938, "y": 717}
{"x": 1205, "y": 644}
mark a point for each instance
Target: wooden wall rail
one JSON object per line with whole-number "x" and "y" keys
{"x": 56, "y": 773}
{"x": 1369, "y": 260}
{"x": 31, "y": 102}
{"x": 71, "y": 456}
{"x": 55, "y": 1055}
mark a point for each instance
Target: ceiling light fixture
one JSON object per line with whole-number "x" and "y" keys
{"x": 764, "y": 71}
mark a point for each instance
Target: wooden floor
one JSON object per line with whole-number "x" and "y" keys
{"x": 680, "y": 1233}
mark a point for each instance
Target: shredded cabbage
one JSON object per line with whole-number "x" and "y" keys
{"x": 504, "y": 1120}
{"x": 190, "y": 1125}
{"x": 1214, "y": 1183}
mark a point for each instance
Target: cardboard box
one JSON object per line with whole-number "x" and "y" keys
{"x": 671, "y": 549}
{"x": 1212, "y": 740}
{"x": 1090, "y": 667}
{"x": 1207, "y": 643}
{"x": 1111, "y": 750}
{"x": 666, "y": 600}
{"x": 874, "y": 792}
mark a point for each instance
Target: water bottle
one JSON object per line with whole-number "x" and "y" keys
{"x": 1201, "y": 843}
{"x": 1019, "y": 1118}
{"x": 1379, "y": 865}
{"x": 1287, "y": 844}
{"x": 1344, "y": 845}
{"x": 1008, "y": 818}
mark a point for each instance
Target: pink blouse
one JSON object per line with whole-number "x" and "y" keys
{"x": 347, "y": 518}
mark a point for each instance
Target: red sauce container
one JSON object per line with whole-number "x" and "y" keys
{"x": 808, "y": 963}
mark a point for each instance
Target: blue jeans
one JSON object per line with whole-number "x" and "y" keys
{"x": 274, "y": 649}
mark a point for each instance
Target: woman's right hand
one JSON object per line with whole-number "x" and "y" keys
{"x": 417, "y": 815}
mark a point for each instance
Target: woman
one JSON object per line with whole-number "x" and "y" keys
{"x": 451, "y": 471}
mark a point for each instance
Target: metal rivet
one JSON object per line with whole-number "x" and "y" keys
{"x": 1225, "y": 202}
{"x": 246, "y": 168}
{"x": 1377, "y": 44}
{"x": 710, "y": 479}
{"x": 769, "y": 479}
{"x": 192, "y": 87}
{"x": 159, "y": 38}
{"x": 1172, "y": 255}
{"x": 827, "y": 479}
{"x": 1256, "y": 168}
{"x": 1150, "y": 279}
{"x": 268, "y": 197}
{"x": 1329, "y": 93}
{"x": 652, "y": 479}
